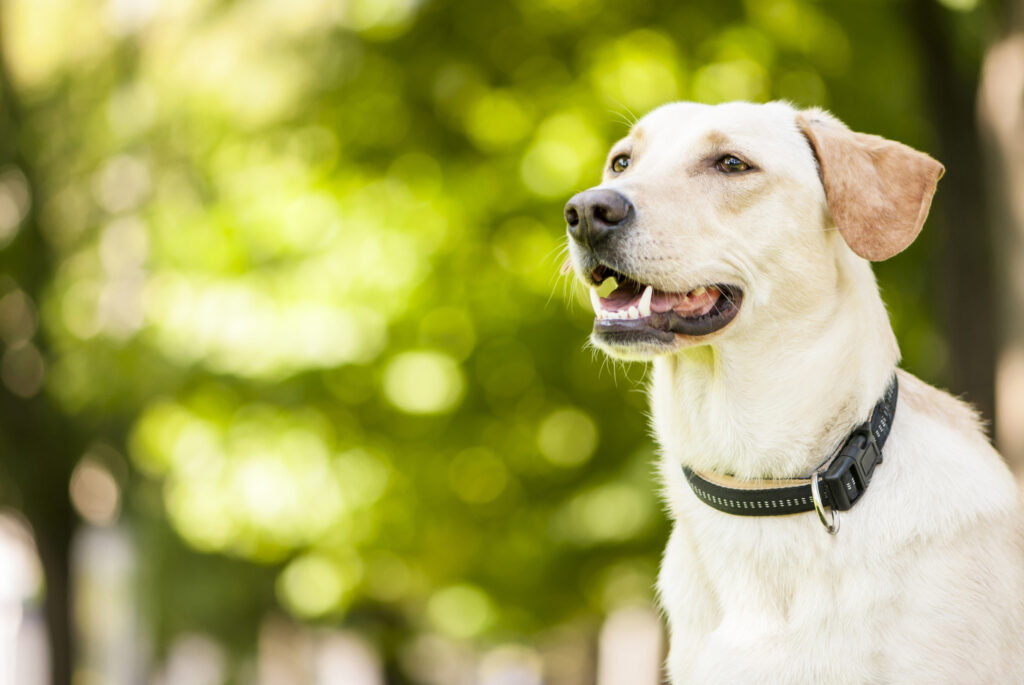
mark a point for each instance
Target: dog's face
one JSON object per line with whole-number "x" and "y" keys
{"x": 710, "y": 218}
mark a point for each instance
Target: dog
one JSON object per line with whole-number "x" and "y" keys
{"x": 740, "y": 238}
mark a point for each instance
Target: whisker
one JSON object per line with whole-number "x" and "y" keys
{"x": 631, "y": 120}
{"x": 557, "y": 252}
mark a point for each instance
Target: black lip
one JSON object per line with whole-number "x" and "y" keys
{"x": 599, "y": 270}
{"x": 662, "y": 327}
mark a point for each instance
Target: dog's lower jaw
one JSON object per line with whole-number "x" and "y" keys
{"x": 648, "y": 352}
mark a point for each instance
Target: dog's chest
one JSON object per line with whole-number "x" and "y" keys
{"x": 754, "y": 564}
{"x": 767, "y": 600}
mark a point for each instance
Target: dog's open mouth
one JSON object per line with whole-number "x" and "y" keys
{"x": 635, "y": 311}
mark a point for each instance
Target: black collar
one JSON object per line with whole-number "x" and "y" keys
{"x": 841, "y": 481}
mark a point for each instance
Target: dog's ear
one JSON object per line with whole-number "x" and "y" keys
{"x": 878, "y": 190}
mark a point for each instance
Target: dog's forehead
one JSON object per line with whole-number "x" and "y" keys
{"x": 683, "y": 124}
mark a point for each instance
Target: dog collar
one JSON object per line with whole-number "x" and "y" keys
{"x": 838, "y": 484}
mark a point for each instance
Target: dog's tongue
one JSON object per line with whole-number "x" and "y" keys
{"x": 625, "y": 295}
{"x": 694, "y": 303}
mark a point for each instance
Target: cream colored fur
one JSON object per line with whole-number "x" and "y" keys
{"x": 924, "y": 582}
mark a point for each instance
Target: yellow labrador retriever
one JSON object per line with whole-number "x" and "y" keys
{"x": 739, "y": 237}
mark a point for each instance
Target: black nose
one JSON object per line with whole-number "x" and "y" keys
{"x": 593, "y": 214}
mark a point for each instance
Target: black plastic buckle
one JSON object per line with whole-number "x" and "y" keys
{"x": 848, "y": 476}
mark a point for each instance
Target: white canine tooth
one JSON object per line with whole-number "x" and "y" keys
{"x": 645, "y": 301}
{"x": 634, "y": 313}
{"x": 595, "y": 301}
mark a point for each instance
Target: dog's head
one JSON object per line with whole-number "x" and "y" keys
{"x": 711, "y": 216}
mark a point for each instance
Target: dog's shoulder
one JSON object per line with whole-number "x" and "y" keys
{"x": 940, "y": 451}
{"x": 939, "y": 405}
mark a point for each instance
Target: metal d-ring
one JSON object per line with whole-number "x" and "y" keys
{"x": 831, "y": 526}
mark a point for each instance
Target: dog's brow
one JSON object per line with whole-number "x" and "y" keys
{"x": 716, "y": 137}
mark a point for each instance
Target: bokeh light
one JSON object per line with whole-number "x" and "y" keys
{"x": 423, "y": 382}
{"x": 94, "y": 492}
{"x": 461, "y": 611}
{"x": 312, "y": 585}
{"x": 567, "y": 437}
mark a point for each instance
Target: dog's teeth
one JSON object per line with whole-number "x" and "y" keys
{"x": 595, "y": 301}
{"x": 645, "y": 301}
{"x": 698, "y": 292}
{"x": 634, "y": 313}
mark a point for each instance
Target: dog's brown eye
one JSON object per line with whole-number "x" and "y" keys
{"x": 730, "y": 164}
{"x": 620, "y": 163}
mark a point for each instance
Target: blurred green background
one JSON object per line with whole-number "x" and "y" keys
{"x": 287, "y": 360}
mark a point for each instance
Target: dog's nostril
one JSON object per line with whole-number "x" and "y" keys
{"x": 572, "y": 217}
{"x": 612, "y": 210}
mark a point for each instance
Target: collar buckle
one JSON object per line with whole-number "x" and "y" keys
{"x": 847, "y": 477}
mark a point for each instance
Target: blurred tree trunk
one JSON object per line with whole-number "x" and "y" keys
{"x": 966, "y": 308}
{"x": 37, "y": 451}
{"x": 54, "y": 547}
{"x": 1001, "y": 115}
{"x": 39, "y": 444}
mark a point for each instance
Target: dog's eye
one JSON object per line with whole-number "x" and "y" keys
{"x": 620, "y": 163}
{"x": 730, "y": 164}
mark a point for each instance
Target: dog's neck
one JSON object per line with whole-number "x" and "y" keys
{"x": 775, "y": 404}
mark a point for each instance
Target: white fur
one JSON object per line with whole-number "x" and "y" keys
{"x": 924, "y": 582}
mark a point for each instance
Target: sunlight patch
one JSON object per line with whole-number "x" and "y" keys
{"x": 423, "y": 382}
{"x": 461, "y": 611}
{"x": 567, "y": 437}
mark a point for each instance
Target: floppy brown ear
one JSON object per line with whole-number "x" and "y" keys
{"x": 878, "y": 190}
